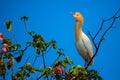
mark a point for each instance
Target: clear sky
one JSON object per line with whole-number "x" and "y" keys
{"x": 52, "y": 19}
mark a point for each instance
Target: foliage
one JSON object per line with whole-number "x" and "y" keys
{"x": 61, "y": 69}
{"x": 8, "y": 24}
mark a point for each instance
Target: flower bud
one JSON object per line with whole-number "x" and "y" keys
{"x": 1, "y": 36}
{"x": 5, "y": 45}
{"x": 4, "y": 49}
{"x": 28, "y": 64}
{"x": 58, "y": 70}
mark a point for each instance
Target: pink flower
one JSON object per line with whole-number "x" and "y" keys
{"x": 5, "y": 45}
{"x": 1, "y": 36}
{"x": 4, "y": 49}
{"x": 58, "y": 70}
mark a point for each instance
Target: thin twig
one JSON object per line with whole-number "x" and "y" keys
{"x": 44, "y": 63}
{"x": 98, "y": 30}
{"x": 40, "y": 76}
{"x": 43, "y": 58}
{"x": 49, "y": 48}
{"x": 26, "y": 47}
{"x": 92, "y": 38}
{"x": 113, "y": 15}
{"x": 26, "y": 26}
{"x": 56, "y": 60}
{"x": 27, "y": 60}
{"x": 103, "y": 23}
{"x": 35, "y": 59}
{"x": 21, "y": 50}
{"x": 105, "y": 32}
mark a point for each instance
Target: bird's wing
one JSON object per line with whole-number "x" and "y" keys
{"x": 88, "y": 45}
{"x": 85, "y": 48}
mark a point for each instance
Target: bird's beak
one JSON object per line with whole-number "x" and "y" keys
{"x": 72, "y": 13}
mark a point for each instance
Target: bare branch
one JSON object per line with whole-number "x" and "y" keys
{"x": 105, "y": 21}
{"x": 103, "y": 35}
{"x": 26, "y": 47}
{"x": 113, "y": 15}
{"x": 36, "y": 56}
{"x": 98, "y": 30}
{"x": 92, "y": 39}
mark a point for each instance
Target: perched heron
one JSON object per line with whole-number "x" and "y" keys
{"x": 83, "y": 43}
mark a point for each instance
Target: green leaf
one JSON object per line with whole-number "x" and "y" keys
{"x": 18, "y": 59}
{"x": 25, "y": 18}
{"x": 60, "y": 52}
{"x": 53, "y": 41}
{"x": 64, "y": 64}
{"x": 31, "y": 33}
{"x": 99, "y": 78}
{"x": 8, "y": 55}
{"x": 54, "y": 46}
{"x": 32, "y": 70}
{"x": 7, "y": 41}
{"x": 68, "y": 61}
{"x": 16, "y": 46}
{"x": 8, "y": 25}
{"x": 79, "y": 66}
{"x": 28, "y": 42}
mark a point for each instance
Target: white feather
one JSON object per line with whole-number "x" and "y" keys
{"x": 85, "y": 48}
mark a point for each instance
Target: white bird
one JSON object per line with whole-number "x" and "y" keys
{"x": 83, "y": 43}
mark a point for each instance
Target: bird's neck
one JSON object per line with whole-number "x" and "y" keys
{"x": 78, "y": 31}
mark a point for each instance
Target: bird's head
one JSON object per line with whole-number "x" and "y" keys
{"x": 78, "y": 17}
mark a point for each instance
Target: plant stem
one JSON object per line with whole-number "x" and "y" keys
{"x": 43, "y": 58}
{"x": 44, "y": 63}
{"x": 35, "y": 59}
{"x": 56, "y": 60}
{"x": 25, "y": 26}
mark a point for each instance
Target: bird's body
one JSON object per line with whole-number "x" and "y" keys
{"x": 83, "y": 44}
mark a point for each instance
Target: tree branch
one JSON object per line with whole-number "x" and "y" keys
{"x": 105, "y": 21}
{"x": 44, "y": 63}
{"x": 103, "y": 35}
{"x": 36, "y": 56}
{"x": 92, "y": 39}
{"x": 98, "y": 30}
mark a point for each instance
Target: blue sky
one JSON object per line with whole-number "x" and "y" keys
{"x": 52, "y": 19}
